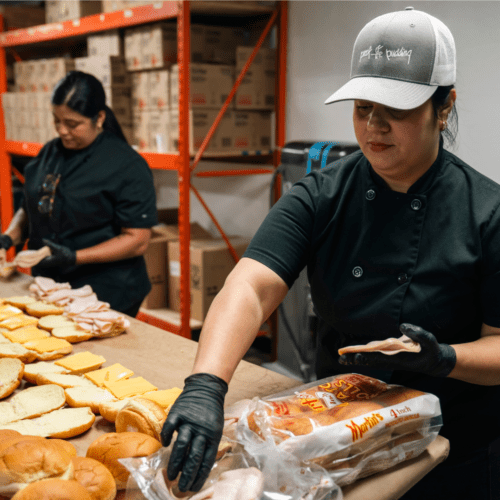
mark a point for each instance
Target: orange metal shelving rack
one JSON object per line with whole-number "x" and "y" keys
{"x": 181, "y": 161}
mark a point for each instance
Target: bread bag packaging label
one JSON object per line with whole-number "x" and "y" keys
{"x": 352, "y": 425}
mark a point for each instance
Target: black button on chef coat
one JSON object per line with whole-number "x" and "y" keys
{"x": 103, "y": 188}
{"x": 427, "y": 257}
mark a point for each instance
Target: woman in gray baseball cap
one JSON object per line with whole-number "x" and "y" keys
{"x": 401, "y": 237}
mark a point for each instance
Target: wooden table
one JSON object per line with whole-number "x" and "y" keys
{"x": 165, "y": 360}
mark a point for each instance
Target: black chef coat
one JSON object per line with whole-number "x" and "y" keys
{"x": 103, "y": 188}
{"x": 377, "y": 258}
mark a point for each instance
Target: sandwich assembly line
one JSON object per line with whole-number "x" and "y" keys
{"x": 133, "y": 325}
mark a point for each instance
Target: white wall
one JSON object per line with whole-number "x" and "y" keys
{"x": 320, "y": 39}
{"x": 321, "y": 36}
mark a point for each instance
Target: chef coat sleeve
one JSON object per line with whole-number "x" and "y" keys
{"x": 283, "y": 241}
{"x": 135, "y": 203}
{"x": 490, "y": 280}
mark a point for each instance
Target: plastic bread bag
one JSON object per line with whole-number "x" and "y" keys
{"x": 351, "y": 425}
{"x": 271, "y": 475}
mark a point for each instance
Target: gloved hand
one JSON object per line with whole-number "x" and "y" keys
{"x": 434, "y": 359}
{"x": 5, "y": 241}
{"x": 198, "y": 417}
{"x": 61, "y": 256}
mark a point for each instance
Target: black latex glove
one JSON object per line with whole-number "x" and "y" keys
{"x": 5, "y": 241}
{"x": 61, "y": 256}
{"x": 198, "y": 417}
{"x": 434, "y": 359}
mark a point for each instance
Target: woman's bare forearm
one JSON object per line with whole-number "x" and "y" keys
{"x": 16, "y": 226}
{"x": 234, "y": 319}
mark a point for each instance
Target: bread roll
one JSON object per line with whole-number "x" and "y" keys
{"x": 63, "y": 423}
{"x": 141, "y": 415}
{"x": 13, "y": 350}
{"x": 11, "y": 374}
{"x": 71, "y": 333}
{"x": 40, "y": 309}
{"x": 108, "y": 448}
{"x": 87, "y": 396}
{"x": 49, "y": 348}
{"x": 52, "y": 321}
{"x": 31, "y": 403}
{"x": 109, "y": 409}
{"x": 53, "y": 489}
{"x": 32, "y": 460}
{"x": 32, "y": 370}
{"x": 64, "y": 380}
{"x": 19, "y": 301}
{"x": 95, "y": 477}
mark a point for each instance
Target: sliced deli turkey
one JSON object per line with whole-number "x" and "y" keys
{"x": 350, "y": 424}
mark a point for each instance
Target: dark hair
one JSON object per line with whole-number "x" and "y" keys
{"x": 439, "y": 99}
{"x": 84, "y": 94}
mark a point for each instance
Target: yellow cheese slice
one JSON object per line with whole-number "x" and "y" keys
{"x": 47, "y": 345}
{"x": 18, "y": 321}
{"x": 25, "y": 334}
{"x": 6, "y": 311}
{"x": 129, "y": 387}
{"x": 110, "y": 374}
{"x": 81, "y": 362}
{"x": 165, "y": 398}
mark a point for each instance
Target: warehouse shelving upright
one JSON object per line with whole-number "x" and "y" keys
{"x": 180, "y": 162}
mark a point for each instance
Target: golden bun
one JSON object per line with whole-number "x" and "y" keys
{"x": 141, "y": 415}
{"x": 53, "y": 489}
{"x": 30, "y": 460}
{"x": 108, "y": 448}
{"x": 95, "y": 477}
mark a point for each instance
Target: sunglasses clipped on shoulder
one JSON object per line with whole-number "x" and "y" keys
{"x": 48, "y": 192}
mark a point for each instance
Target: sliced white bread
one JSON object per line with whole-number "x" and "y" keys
{"x": 11, "y": 374}
{"x": 52, "y": 321}
{"x": 63, "y": 423}
{"x": 31, "y": 403}
{"x": 50, "y": 348}
{"x": 13, "y": 350}
{"x": 77, "y": 397}
{"x": 65, "y": 381}
{"x": 32, "y": 370}
{"x": 109, "y": 409}
{"x": 72, "y": 333}
{"x": 40, "y": 309}
{"x": 19, "y": 301}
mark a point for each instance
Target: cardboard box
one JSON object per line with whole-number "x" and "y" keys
{"x": 209, "y": 87}
{"x": 140, "y": 129}
{"x": 158, "y": 130}
{"x": 159, "y": 45}
{"x": 156, "y": 256}
{"x": 57, "y": 69}
{"x": 257, "y": 90}
{"x": 132, "y": 48}
{"x": 108, "y": 43}
{"x": 200, "y": 122}
{"x": 140, "y": 90}
{"x": 39, "y": 81}
{"x": 57, "y": 11}
{"x": 110, "y": 70}
{"x": 158, "y": 90}
{"x": 120, "y": 101}
{"x": 210, "y": 264}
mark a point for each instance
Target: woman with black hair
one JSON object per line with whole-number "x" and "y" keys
{"x": 90, "y": 198}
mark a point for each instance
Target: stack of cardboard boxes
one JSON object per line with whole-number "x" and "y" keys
{"x": 210, "y": 264}
{"x": 217, "y": 57}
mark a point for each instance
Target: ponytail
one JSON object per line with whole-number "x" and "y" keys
{"x": 111, "y": 124}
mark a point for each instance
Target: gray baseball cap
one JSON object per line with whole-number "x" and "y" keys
{"x": 399, "y": 60}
